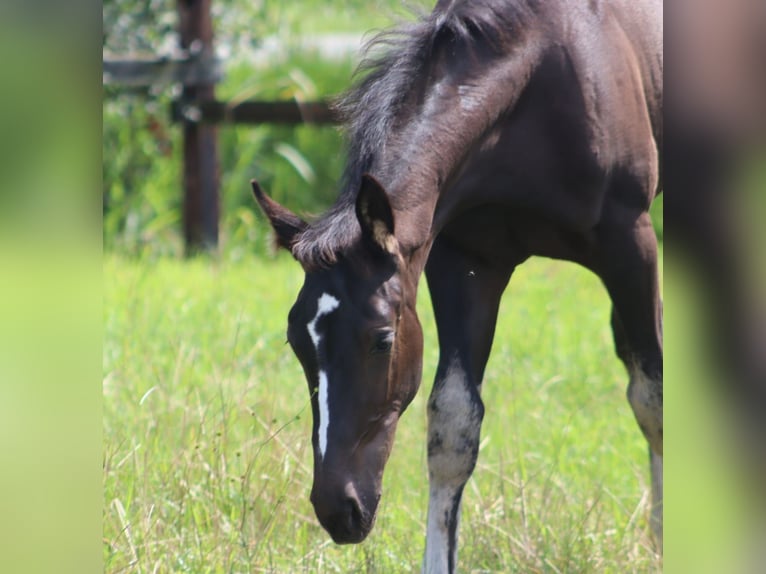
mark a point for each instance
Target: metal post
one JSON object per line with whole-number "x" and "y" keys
{"x": 201, "y": 173}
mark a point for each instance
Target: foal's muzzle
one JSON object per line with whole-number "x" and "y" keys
{"x": 343, "y": 513}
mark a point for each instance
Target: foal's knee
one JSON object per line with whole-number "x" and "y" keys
{"x": 455, "y": 413}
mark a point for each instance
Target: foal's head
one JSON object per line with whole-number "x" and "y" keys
{"x": 355, "y": 331}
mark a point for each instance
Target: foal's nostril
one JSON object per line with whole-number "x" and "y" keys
{"x": 354, "y": 517}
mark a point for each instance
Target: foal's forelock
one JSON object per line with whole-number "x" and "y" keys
{"x": 320, "y": 245}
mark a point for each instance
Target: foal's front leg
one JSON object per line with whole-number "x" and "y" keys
{"x": 455, "y": 412}
{"x": 465, "y": 297}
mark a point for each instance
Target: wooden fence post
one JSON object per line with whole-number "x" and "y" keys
{"x": 201, "y": 205}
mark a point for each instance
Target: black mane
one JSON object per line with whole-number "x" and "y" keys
{"x": 394, "y": 60}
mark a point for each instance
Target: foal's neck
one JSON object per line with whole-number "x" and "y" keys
{"x": 437, "y": 134}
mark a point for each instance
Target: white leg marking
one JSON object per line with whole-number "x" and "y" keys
{"x": 437, "y": 537}
{"x": 454, "y": 424}
{"x": 325, "y": 305}
{"x": 440, "y": 507}
{"x": 645, "y": 397}
{"x": 656, "y": 516}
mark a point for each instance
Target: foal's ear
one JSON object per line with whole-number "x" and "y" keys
{"x": 373, "y": 210}
{"x": 286, "y": 224}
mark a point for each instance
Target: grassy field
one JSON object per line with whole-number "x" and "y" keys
{"x": 207, "y": 458}
{"x": 207, "y": 455}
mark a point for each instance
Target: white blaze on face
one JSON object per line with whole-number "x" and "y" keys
{"x": 325, "y": 305}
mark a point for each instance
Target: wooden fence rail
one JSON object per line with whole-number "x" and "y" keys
{"x": 253, "y": 112}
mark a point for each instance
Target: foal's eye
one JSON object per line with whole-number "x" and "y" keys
{"x": 382, "y": 342}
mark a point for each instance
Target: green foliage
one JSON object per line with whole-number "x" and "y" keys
{"x": 300, "y": 166}
{"x": 142, "y": 26}
{"x": 207, "y": 454}
{"x": 149, "y": 26}
{"x": 141, "y": 173}
{"x": 142, "y": 158}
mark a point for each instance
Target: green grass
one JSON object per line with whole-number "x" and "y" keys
{"x": 207, "y": 458}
